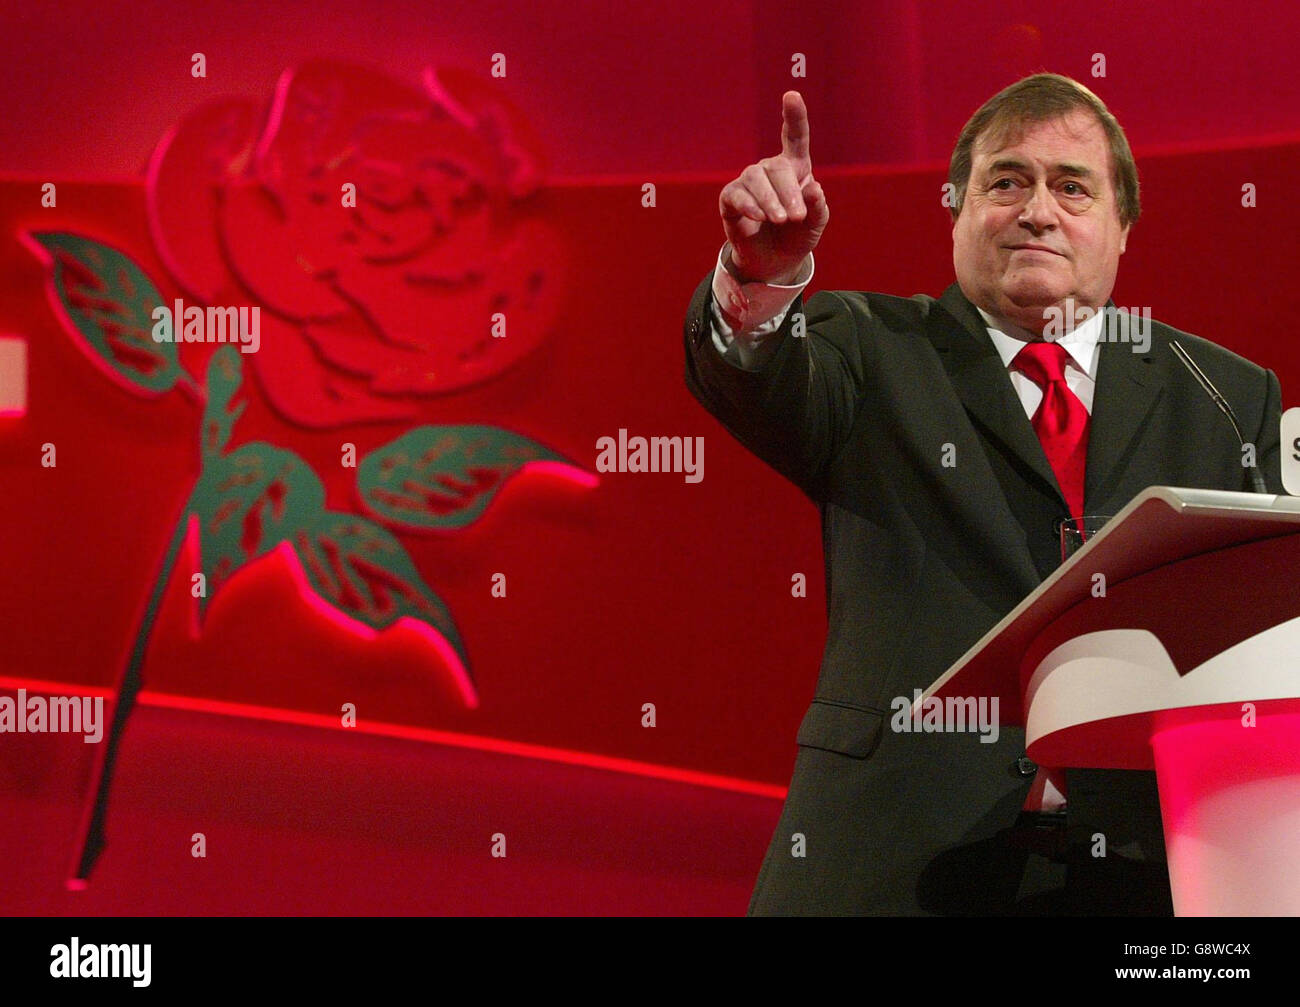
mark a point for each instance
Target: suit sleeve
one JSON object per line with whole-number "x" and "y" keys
{"x": 1268, "y": 439}
{"x": 795, "y": 411}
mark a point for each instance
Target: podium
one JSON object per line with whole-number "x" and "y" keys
{"x": 1171, "y": 641}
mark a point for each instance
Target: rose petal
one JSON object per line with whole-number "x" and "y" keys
{"x": 266, "y": 250}
{"x": 189, "y": 166}
{"x": 302, "y": 392}
{"x": 480, "y": 104}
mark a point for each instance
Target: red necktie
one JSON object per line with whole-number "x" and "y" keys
{"x": 1061, "y": 421}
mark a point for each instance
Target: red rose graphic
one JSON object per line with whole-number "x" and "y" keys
{"x": 363, "y": 306}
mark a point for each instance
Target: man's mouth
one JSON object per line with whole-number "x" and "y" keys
{"x": 1033, "y": 248}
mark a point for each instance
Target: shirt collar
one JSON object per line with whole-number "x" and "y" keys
{"x": 1080, "y": 342}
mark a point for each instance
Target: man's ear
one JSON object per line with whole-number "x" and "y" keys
{"x": 1123, "y": 238}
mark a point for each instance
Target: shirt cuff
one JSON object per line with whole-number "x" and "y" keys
{"x": 754, "y": 312}
{"x": 746, "y": 306}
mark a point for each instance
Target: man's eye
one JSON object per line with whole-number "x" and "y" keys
{"x": 999, "y": 184}
{"x": 1078, "y": 189}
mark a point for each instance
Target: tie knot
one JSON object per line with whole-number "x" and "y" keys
{"x": 1042, "y": 362}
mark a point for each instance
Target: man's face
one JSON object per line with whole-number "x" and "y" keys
{"x": 1040, "y": 222}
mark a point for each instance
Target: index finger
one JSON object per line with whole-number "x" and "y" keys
{"x": 794, "y": 126}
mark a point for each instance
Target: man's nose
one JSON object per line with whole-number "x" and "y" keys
{"x": 1039, "y": 211}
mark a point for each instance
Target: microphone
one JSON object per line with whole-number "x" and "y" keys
{"x": 1256, "y": 480}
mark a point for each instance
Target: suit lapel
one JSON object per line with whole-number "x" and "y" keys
{"x": 981, "y": 381}
{"x": 1128, "y": 385}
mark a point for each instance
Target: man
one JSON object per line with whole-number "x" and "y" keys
{"x": 944, "y": 440}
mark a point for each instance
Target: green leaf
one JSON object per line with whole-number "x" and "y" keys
{"x": 108, "y": 301}
{"x": 443, "y": 477}
{"x": 363, "y": 571}
{"x": 251, "y": 501}
{"x": 223, "y": 381}
{"x": 248, "y": 502}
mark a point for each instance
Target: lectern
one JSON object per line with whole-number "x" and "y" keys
{"x": 1171, "y": 641}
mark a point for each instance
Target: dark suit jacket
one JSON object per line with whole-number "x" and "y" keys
{"x": 922, "y": 559}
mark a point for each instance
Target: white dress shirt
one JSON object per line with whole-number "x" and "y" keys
{"x": 1081, "y": 344}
